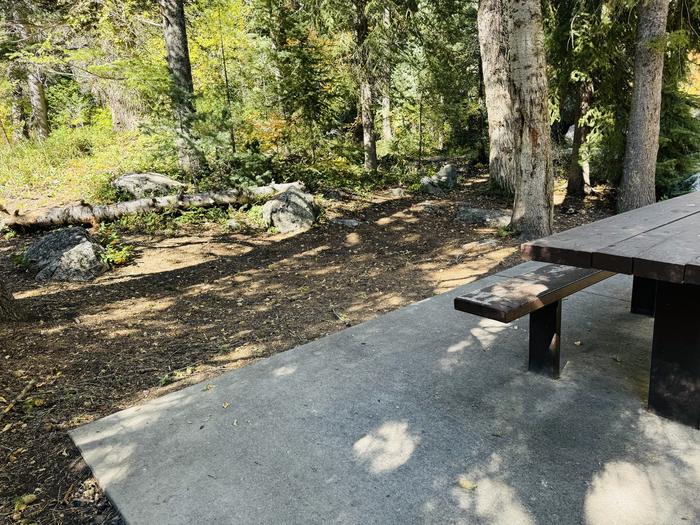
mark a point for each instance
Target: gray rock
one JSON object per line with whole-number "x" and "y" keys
{"x": 484, "y": 217}
{"x": 348, "y": 223}
{"x": 141, "y": 185}
{"x": 445, "y": 179}
{"x": 483, "y": 244}
{"x": 429, "y": 185}
{"x": 447, "y": 176}
{"x": 569, "y": 136}
{"x": 66, "y": 255}
{"x": 290, "y": 211}
{"x": 694, "y": 181}
{"x": 397, "y": 192}
{"x": 233, "y": 225}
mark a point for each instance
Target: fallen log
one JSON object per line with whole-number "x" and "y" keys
{"x": 84, "y": 213}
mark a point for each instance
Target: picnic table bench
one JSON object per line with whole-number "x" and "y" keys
{"x": 540, "y": 294}
{"x": 660, "y": 246}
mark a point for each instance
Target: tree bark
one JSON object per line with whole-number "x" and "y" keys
{"x": 369, "y": 138}
{"x": 637, "y": 187}
{"x": 181, "y": 86}
{"x": 578, "y": 177}
{"x": 83, "y": 213}
{"x": 9, "y": 310}
{"x": 39, "y": 120}
{"x": 18, "y": 116}
{"x": 387, "y": 133}
{"x": 533, "y": 204}
{"x": 493, "y": 45}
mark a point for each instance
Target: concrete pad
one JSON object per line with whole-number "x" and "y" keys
{"x": 380, "y": 422}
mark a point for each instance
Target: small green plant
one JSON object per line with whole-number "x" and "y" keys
{"x": 116, "y": 252}
{"x": 201, "y": 216}
{"x": 254, "y": 217}
{"x": 10, "y": 234}
{"x": 176, "y": 375}
{"x": 504, "y": 232}
{"x": 20, "y": 260}
{"x": 118, "y": 255}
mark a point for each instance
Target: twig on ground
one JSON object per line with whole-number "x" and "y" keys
{"x": 17, "y": 399}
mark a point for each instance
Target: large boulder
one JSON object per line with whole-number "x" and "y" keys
{"x": 141, "y": 185}
{"x": 484, "y": 217}
{"x": 694, "y": 182}
{"x": 569, "y": 136}
{"x": 290, "y": 211}
{"x": 445, "y": 179}
{"x": 66, "y": 255}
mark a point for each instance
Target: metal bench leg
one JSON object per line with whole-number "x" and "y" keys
{"x": 643, "y": 296}
{"x": 545, "y": 332}
{"x": 674, "y": 386}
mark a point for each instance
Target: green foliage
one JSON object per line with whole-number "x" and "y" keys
{"x": 71, "y": 108}
{"x": 276, "y": 92}
{"x": 591, "y": 45}
{"x": 20, "y": 261}
{"x": 679, "y": 143}
{"x": 116, "y": 253}
{"x": 75, "y": 163}
{"x": 170, "y": 221}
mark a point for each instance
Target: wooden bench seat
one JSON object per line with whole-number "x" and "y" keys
{"x": 538, "y": 293}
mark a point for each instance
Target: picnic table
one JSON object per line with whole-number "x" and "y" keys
{"x": 660, "y": 246}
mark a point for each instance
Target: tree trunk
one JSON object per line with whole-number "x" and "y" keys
{"x": 181, "y": 86}
{"x": 533, "y": 205}
{"x": 493, "y": 44}
{"x": 39, "y": 121}
{"x": 578, "y": 177}
{"x": 637, "y": 187}
{"x": 9, "y": 310}
{"x": 387, "y": 134}
{"x": 369, "y": 138}
{"x": 18, "y": 117}
{"x": 123, "y": 106}
{"x": 16, "y": 74}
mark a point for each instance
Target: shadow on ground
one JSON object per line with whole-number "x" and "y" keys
{"x": 423, "y": 415}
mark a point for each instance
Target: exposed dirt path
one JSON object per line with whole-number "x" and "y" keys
{"x": 197, "y": 305}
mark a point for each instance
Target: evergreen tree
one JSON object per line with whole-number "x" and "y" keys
{"x": 637, "y": 187}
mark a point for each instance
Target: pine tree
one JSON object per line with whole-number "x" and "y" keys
{"x": 637, "y": 187}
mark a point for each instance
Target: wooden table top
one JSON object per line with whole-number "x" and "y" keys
{"x": 660, "y": 241}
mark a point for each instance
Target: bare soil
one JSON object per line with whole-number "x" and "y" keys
{"x": 202, "y": 303}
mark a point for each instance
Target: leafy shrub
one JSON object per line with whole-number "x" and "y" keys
{"x": 679, "y": 143}
{"x": 116, "y": 252}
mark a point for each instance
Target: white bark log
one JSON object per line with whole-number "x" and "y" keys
{"x": 87, "y": 214}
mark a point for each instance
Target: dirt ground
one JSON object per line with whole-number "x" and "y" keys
{"x": 199, "y": 304}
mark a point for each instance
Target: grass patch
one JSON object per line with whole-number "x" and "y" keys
{"x": 74, "y": 164}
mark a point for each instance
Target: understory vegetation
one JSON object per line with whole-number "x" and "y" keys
{"x": 277, "y": 93}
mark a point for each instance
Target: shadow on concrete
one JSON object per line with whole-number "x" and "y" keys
{"x": 424, "y": 415}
